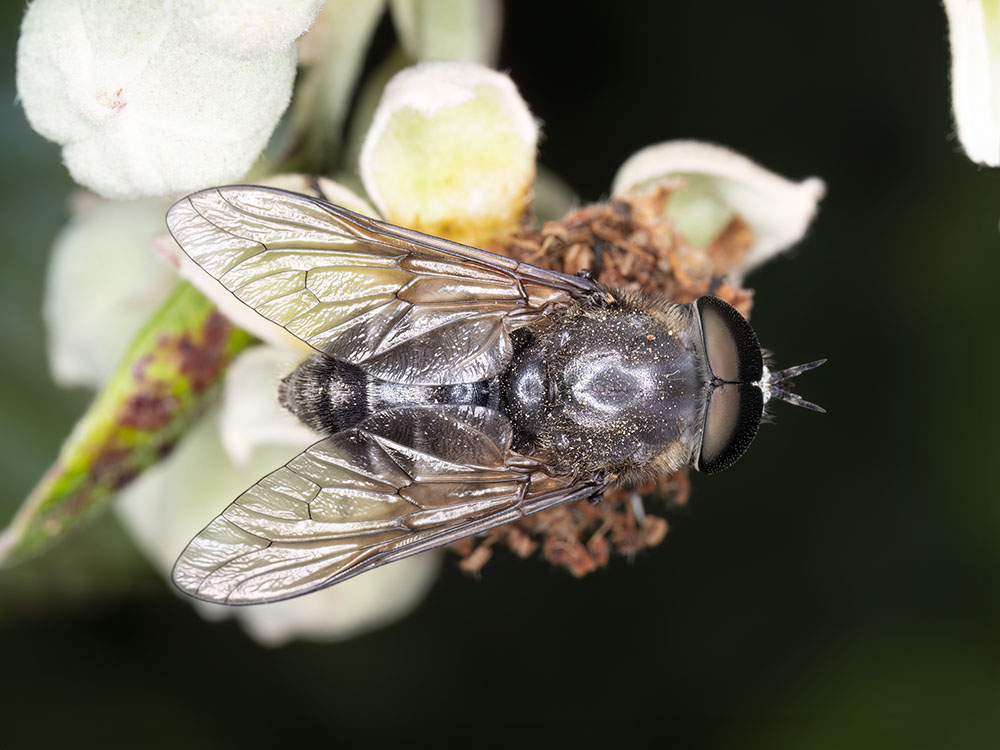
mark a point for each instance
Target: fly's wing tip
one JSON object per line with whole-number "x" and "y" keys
{"x": 204, "y": 569}
{"x": 187, "y": 579}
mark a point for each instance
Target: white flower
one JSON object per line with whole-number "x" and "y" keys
{"x": 247, "y": 437}
{"x": 451, "y": 152}
{"x": 141, "y": 105}
{"x": 105, "y": 249}
{"x": 251, "y": 416}
{"x": 974, "y": 31}
{"x": 718, "y": 184}
{"x": 247, "y": 27}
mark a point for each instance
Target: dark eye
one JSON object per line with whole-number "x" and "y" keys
{"x": 730, "y": 344}
{"x": 735, "y": 405}
{"x": 731, "y": 421}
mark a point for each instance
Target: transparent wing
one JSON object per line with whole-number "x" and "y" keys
{"x": 404, "y": 481}
{"x": 405, "y": 306}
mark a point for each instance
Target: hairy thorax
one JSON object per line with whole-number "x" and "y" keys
{"x": 609, "y": 390}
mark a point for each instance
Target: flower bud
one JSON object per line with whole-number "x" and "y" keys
{"x": 451, "y": 152}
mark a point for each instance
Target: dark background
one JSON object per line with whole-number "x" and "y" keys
{"x": 837, "y": 588}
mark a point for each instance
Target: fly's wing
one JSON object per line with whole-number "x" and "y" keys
{"x": 404, "y": 306}
{"x": 404, "y": 481}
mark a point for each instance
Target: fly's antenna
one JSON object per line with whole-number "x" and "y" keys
{"x": 775, "y": 385}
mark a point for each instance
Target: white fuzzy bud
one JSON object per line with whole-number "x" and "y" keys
{"x": 451, "y": 151}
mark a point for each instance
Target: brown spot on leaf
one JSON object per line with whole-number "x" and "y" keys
{"x": 140, "y": 365}
{"x": 202, "y": 359}
{"x": 148, "y": 410}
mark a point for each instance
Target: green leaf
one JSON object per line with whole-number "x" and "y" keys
{"x": 167, "y": 377}
{"x": 449, "y": 29}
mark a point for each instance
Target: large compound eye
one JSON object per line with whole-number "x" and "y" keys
{"x": 735, "y": 406}
{"x": 731, "y": 421}
{"x": 731, "y": 346}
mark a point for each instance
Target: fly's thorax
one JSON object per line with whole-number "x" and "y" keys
{"x": 616, "y": 390}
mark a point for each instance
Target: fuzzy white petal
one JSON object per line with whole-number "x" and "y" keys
{"x": 172, "y": 501}
{"x": 251, "y": 415}
{"x": 777, "y": 210}
{"x": 103, "y": 283}
{"x": 140, "y": 105}
{"x": 451, "y": 151}
{"x": 247, "y": 27}
{"x": 974, "y": 31}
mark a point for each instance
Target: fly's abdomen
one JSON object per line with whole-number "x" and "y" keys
{"x": 330, "y": 395}
{"x": 326, "y": 394}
